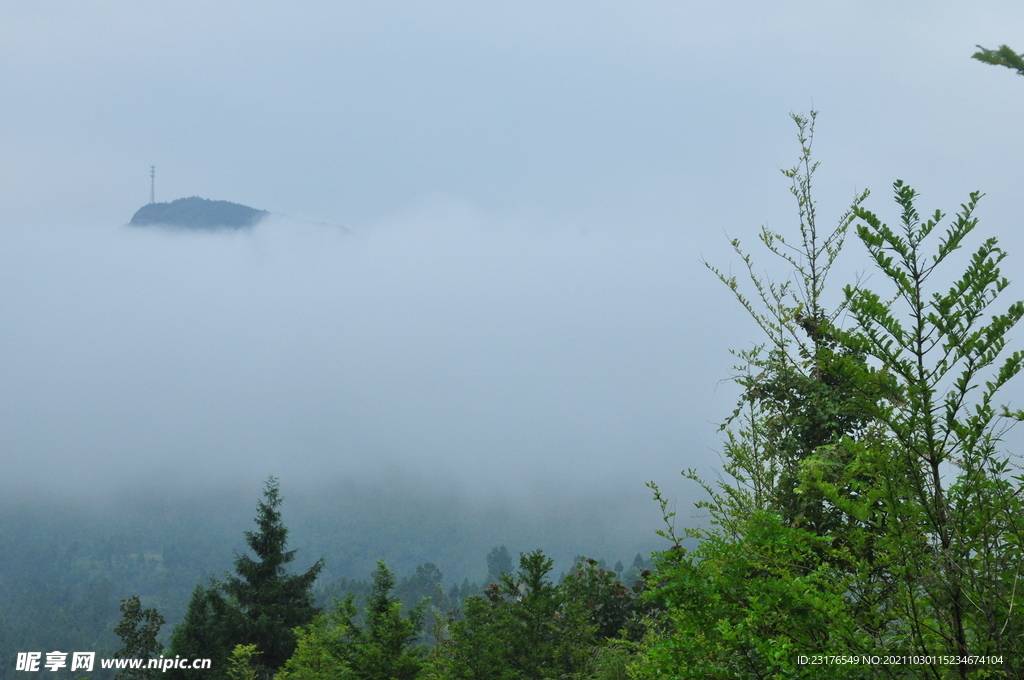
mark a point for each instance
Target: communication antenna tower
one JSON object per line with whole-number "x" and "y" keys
{"x": 152, "y": 184}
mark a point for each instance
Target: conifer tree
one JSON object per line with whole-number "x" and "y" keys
{"x": 524, "y": 626}
{"x": 272, "y": 602}
{"x": 260, "y": 604}
{"x": 204, "y": 633}
{"x": 383, "y": 648}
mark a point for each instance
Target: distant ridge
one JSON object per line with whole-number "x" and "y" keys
{"x": 198, "y": 213}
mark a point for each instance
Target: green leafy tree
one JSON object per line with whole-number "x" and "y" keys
{"x": 868, "y": 507}
{"x": 755, "y": 591}
{"x": 241, "y": 665}
{"x": 321, "y": 647}
{"x": 747, "y": 602}
{"x": 795, "y": 397}
{"x": 945, "y": 350}
{"x": 523, "y": 627}
{"x": 138, "y": 630}
{"x": 384, "y": 648}
{"x": 478, "y": 644}
{"x": 606, "y": 603}
{"x": 1004, "y": 56}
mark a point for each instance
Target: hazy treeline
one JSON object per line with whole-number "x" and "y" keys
{"x": 265, "y": 618}
{"x": 65, "y": 567}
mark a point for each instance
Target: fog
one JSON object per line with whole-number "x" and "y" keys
{"x": 483, "y": 274}
{"x": 499, "y": 356}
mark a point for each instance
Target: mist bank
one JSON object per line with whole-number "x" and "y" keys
{"x": 351, "y": 525}
{"x": 504, "y": 357}
{"x": 67, "y": 563}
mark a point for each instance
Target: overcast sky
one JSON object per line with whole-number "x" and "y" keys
{"x": 484, "y": 265}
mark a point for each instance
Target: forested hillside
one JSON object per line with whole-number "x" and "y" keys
{"x": 65, "y": 566}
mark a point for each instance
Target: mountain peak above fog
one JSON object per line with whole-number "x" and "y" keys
{"x": 198, "y": 213}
